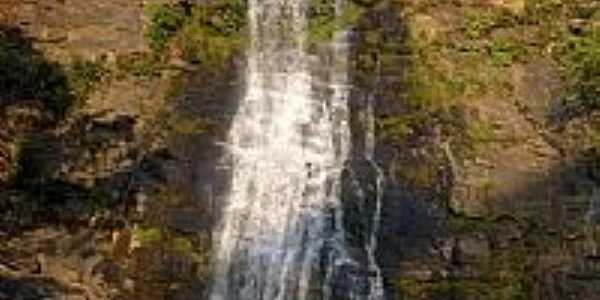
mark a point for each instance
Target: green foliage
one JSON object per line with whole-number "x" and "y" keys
{"x": 480, "y": 132}
{"x": 83, "y": 76}
{"x": 208, "y": 34}
{"x": 207, "y": 46}
{"x": 164, "y": 22}
{"x": 182, "y": 245}
{"x": 322, "y": 17}
{"x": 582, "y": 60}
{"x": 188, "y": 126}
{"x": 478, "y": 24}
{"x": 324, "y": 21}
{"x": 142, "y": 66}
{"x": 148, "y": 236}
{"x": 541, "y": 11}
{"x": 504, "y": 52}
{"x": 503, "y": 276}
{"x": 228, "y": 17}
{"x": 26, "y": 75}
{"x": 398, "y": 128}
{"x": 213, "y": 33}
{"x": 431, "y": 89}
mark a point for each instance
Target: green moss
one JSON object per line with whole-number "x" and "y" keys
{"x": 189, "y": 126}
{"x": 209, "y": 33}
{"x": 147, "y": 236}
{"x": 504, "y": 52}
{"x": 463, "y": 225}
{"x": 503, "y": 276}
{"x": 163, "y": 22}
{"x": 207, "y": 47}
{"x": 26, "y": 75}
{"x": 478, "y": 24}
{"x": 213, "y": 33}
{"x": 83, "y": 76}
{"x": 582, "y": 61}
{"x": 324, "y": 21}
{"x": 479, "y": 134}
{"x": 398, "y": 128}
{"x": 432, "y": 90}
{"x": 143, "y": 65}
{"x": 182, "y": 245}
{"x": 543, "y": 11}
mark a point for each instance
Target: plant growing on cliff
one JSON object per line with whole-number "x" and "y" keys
{"x": 208, "y": 33}
{"x": 147, "y": 236}
{"x": 164, "y": 22}
{"x": 213, "y": 33}
{"x": 504, "y": 52}
{"x": 25, "y": 76}
{"x": 83, "y": 76}
{"x": 583, "y": 65}
{"x": 477, "y": 25}
{"x": 324, "y": 20}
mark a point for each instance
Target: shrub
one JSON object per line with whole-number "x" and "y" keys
{"x": 164, "y": 22}
{"x": 583, "y": 64}
{"x": 83, "y": 76}
{"x": 213, "y": 33}
{"x": 324, "y": 21}
{"x": 504, "y": 52}
{"x": 579, "y": 55}
{"x": 25, "y": 75}
{"x": 148, "y": 236}
{"x": 478, "y": 24}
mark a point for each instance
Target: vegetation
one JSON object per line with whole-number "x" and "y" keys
{"x": 435, "y": 66}
{"x": 582, "y": 61}
{"x": 83, "y": 77}
{"x": 208, "y": 34}
{"x": 213, "y": 34}
{"x": 188, "y": 126}
{"x": 478, "y": 134}
{"x": 148, "y": 236}
{"x": 504, "y": 52}
{"x": 324, "y": 21}
{"x": 25, "y": 76}
{"x": 478, "y": 24}
{"x": 506, "y": 274}
{"x": 164, "y": 22}
{"x": 145, "y": 65}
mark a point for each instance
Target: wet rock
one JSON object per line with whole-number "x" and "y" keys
{"x": 129, "y": 285}
{"x": 423, "y": 274}
{"x": 446, "y": 249}
{"x": 464, "y": 201}
{"x": 473, "y": 249}
{"x": 188, "y": 220}
{"x": 505, "y": 233}
{"x": 192, "y": 291}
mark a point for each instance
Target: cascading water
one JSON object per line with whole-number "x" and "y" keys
{"x": 281, "y": 235}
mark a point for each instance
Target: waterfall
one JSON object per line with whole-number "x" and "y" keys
{"x": 281, "y": 235}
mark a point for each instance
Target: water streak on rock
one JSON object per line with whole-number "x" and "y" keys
{"x": 281, "y": 234}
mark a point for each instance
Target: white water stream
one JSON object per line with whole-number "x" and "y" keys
{"x": 289, "y": 148}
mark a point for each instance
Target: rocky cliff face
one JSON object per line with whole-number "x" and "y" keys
{"x": 491, "y": 195}
{"x": 486, "y": 127}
